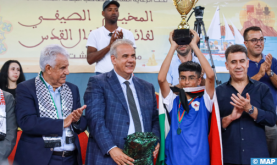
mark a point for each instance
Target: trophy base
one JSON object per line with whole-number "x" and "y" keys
{"x": 182, "y": 36}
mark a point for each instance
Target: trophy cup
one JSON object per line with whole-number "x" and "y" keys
{"x": 182, "y": 34}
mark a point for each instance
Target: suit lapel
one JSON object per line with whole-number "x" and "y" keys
{"x": 117, "y": 89}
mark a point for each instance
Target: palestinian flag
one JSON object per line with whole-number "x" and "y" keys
{"x": 214, "y": 137}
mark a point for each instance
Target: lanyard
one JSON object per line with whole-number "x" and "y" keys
{"x": 51, "y": 96}
{"x": 180, "y": 118}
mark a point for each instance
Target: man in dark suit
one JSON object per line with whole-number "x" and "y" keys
{"x": 48, "y": 111}
{"x": 119, "y": 104}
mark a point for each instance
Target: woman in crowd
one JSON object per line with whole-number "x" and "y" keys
{"x": 11, "y": 74}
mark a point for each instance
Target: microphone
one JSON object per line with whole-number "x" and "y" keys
{"x": 110, "y": 34}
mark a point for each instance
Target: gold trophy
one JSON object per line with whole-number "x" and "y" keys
{"x": 182, "y": 33}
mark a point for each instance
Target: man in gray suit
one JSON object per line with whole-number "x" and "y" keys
{"x": 9, "y": 141}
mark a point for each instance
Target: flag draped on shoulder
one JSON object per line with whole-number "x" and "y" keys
{"x": 214, "y": 138}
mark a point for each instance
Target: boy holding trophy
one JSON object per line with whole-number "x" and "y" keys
{"x": 187, "y": 141}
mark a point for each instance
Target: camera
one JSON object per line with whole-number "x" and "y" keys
{"x": 199, "y": 11}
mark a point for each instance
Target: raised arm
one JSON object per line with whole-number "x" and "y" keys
{"x": 210, "y": 80}
{"x": 165, "y": 89}
{"x": 93, "y": 55}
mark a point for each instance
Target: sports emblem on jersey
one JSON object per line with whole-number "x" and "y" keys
{"x": 195, "y": 105}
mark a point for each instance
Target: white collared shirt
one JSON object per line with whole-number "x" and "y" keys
{"x": 124, "y": 88}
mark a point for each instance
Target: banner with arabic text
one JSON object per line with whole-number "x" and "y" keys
{"x": 26, "y": 26}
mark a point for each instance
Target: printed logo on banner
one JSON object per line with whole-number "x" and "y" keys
{"x": 259, "y": 161}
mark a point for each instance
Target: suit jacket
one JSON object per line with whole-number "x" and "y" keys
{"x": 30, "y": 149}
{"x": 8, "y": 143}
{"x": 108, "y": 116}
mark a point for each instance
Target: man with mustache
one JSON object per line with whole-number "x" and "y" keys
{"x": 184, "y": 54}
{"x": 100, "y": 40}
{"x": 262, "y": 68}
{"x": 246, "y": 106}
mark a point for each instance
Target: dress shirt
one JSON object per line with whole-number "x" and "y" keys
{"x": 57, "y": 99}
{"x": 245, "y": 138}
{"x": 124, "y": 88}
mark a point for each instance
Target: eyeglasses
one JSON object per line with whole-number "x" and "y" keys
{"x": 255, "y": 40}
{"x": 185, "y": 78}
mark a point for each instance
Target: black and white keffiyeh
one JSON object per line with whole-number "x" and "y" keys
{"x": 3, "y": 126}
{"x": 48, "y": 109}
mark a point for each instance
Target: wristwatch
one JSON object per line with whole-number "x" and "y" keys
{"x": 271, "y": 73}
{"x": 250, "y": 111}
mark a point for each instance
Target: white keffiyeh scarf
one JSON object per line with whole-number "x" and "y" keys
{"x": 47, "y": 107}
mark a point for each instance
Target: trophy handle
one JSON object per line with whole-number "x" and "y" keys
{"x": 175, "y": 2}
{"x": 195, "y": 3}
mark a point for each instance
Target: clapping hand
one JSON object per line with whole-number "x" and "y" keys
{"x": 73, "y": 116}
{"x": 116, "y": 35}
{"x": 76, "y": 114}
{"x": 266, "y": 65}
{"x": 119, "y": 34}
{"x": 268, "y": 61}
{"x": 241, "y": 102}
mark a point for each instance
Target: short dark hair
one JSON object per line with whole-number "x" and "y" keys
{"x": 4, "y": 74}
{"x": 254, "y": 28}
{"x": 190, "y": 66}
{"x": 234, "y": 49}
